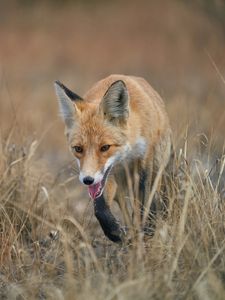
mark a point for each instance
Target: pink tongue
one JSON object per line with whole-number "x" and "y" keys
{"x": 94, "y": 190}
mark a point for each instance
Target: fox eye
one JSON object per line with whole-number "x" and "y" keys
{"x": 105, "y": 148}
{"x": 77, "y": 149}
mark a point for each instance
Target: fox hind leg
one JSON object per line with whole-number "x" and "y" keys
{"x": 144, "y": 192}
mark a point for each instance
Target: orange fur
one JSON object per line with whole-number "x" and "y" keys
{"x": 147, "y": 118}
{"x": 145, "y": 134}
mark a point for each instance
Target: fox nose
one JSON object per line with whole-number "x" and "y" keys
{"x": 88, "y": 180}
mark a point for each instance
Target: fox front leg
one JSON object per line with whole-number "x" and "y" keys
{"x": 108, "y": 222}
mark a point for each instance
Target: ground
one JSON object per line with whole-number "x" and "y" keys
{"x": 51, "y": 245}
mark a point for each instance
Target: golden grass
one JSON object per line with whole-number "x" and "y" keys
{"x": 51, "y": 246}
{"x": 48, "y": 252}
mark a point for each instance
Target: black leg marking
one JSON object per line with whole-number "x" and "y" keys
{"x": 149, "y": 227}
{"x": 142, "y": 188}
{"x": 108, "y": 222}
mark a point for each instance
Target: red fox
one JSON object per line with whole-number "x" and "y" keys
{"x": 120, "y": 121}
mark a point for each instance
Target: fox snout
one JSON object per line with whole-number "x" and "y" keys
{"x": 95, "y": 183}
{"x": 88, "y": 180}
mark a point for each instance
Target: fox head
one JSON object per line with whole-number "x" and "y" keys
{"x": 96, "y": 132}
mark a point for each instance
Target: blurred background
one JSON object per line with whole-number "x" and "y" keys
{"x": 51, "y": 244}
{"x": 178, "y": 46}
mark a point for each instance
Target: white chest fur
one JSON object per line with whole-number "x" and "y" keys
{"x": 139, "y": 147}
{"x": 128, "y": 152}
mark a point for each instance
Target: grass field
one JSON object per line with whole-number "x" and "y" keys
{"x": 51, "y": 246}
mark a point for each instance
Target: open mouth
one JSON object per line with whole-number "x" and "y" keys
{"x": 96, "y": 190}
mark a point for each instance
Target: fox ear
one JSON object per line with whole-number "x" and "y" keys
{"x": 115, "y": 102}
{"x": 67, "y": 106}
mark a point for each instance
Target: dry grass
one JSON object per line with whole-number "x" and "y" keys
{"x": 47, "y": 252}
{"x": 51, "y": 246}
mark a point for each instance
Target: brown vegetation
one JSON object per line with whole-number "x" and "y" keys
{"x": 51, "y": 246}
